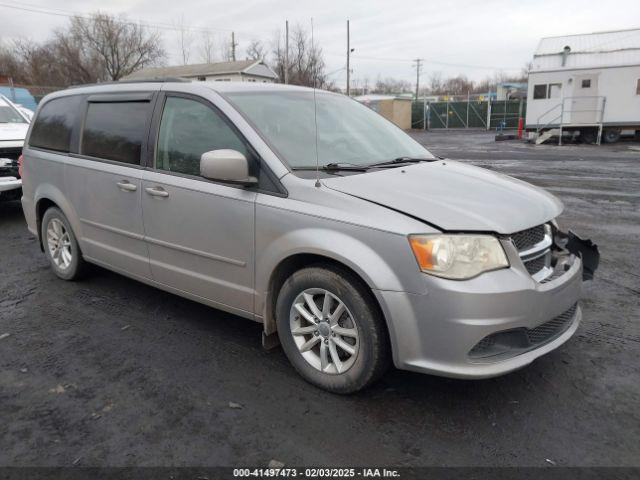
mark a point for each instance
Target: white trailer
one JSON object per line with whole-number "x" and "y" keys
{"x": 586, "y": 85}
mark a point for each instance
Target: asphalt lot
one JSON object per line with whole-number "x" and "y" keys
{"x": 110, "y": 372}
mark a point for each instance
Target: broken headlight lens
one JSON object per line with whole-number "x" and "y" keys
{"x": 458, "y": 257}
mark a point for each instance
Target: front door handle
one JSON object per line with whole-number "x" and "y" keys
{"x": 156, "y": 191}
{"x": 126, "y": 186}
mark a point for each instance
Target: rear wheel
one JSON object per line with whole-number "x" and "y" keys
{"x": 611, "y": 135}
{"x": 61, "y": 246}
{"x": 331, "y": 330}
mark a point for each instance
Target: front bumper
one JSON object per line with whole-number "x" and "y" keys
{"x": 436, "y": 332}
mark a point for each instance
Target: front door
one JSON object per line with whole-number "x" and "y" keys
{"x": 200, "y": 234}
{"x": 585, "y": 104}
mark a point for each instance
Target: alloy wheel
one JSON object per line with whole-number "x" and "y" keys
{"x": 59, "y": 244}
{"x": 324, "y": 331}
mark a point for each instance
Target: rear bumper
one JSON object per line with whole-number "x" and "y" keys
{"x": 29, "y": 210}
{"x": 435, "y": 332}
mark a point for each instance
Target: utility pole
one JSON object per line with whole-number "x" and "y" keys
{"x": 418, "y": 67}
{"x": 286, "y": 52}
{"x": 348, "y": 58}
{"x": 233, "y": 46}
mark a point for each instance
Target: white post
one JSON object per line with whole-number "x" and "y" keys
{"x": 424, "y": 112}
{"x": 489, "y": 110}
{"x": 468, "y": 96}
{"x": 447, "y": 124}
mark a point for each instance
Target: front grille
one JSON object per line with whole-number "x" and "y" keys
{"x": 535, "y": 265}
{"x": 12, "y": 153}
{"x": 526, "y": 239}
{"x": 534, "y": 252}
{"x": 552, "y": 328}
{"x": 510, "y": 343}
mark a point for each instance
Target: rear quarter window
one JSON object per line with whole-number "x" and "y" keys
{"x": 115, "y": 130}
{"x": 54, "y": 124}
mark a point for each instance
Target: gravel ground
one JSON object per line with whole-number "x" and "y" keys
{"x": 110, "y": 372}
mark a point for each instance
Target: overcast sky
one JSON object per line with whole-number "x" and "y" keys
{"x": 475, "y": 38}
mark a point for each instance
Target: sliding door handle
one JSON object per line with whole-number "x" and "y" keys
{"x": 126, "y": 186}
{"x": 156, "y": 191}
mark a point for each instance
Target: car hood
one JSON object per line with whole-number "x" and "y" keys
{"x": 454, "y": 196}
{"x": 13, "y": 131}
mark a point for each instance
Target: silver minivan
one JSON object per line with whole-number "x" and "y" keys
{"x": 310, "y": 213}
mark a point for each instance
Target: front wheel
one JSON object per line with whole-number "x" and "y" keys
{"x": 331, "y": 329}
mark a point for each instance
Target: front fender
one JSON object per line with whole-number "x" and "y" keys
{"x": 363, "y": 258}
{"x": 355, "y": 254}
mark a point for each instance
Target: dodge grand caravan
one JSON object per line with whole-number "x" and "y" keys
{"x": 311, "y": 214}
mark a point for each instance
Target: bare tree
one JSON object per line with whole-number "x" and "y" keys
{"x": 256, "y": 50}
{"x": 121, "y": 47}
{"x": 61, "y": 61}
{"x": 185, "y": 39}
{"x": 435, "y": 82}
{"x": 226, "y": 50}
{"x": 11, "y": 64}
{"x": 306, "y": 63}
{"x": 207, "y": 47}
{"x": 391, "y": 85}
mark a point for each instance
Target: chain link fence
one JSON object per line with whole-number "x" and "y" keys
{"x": 469, "y": 112}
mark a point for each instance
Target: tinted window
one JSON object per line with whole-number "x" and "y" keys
{"x": 114, "y": 131}
{"x": 188, "y": 129}
{"x": 539, "y": 91}
{"x": 586, "y": 83}
{"x": 53, "y": 126}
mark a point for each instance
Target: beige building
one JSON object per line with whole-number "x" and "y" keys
{"x": 239, "y": 71}
{"x": 393, "y": 108}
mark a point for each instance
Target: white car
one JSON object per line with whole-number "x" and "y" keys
{"x": 13, "y": 128}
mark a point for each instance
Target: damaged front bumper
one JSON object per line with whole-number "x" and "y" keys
{"x": 495, "y": 323}
{"x": 585, "y": 249}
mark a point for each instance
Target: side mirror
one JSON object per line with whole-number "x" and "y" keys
{"x": 226, "y": 166}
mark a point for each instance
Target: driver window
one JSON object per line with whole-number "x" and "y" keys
{"x": 188, "y": 129}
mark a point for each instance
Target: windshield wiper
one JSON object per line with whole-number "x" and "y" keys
{"x": 400, "y": 160}
{"x": 336, "y": 167}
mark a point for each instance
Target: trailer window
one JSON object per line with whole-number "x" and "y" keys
{"x": 638, "y": 87}
{"x": 539, "y": 91}
{"x": 586, "y": 83}
{"x": 554, "y": 90}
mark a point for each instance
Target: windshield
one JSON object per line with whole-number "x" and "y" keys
{"x": 9, "y": 115}
{"x": 348, "y": 132}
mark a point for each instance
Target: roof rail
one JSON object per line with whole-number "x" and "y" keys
{"x": 155, "y": 80}
{"x": 146, "y": 80}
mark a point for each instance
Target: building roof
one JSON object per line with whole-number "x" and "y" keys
{"x": 588, "y": 50}
{"x": 203, "y": 69}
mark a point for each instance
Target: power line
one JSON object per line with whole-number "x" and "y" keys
{"x": 167, "y": 26}
{"x": 71, "y": 14}
{"x": 427, "y": 61}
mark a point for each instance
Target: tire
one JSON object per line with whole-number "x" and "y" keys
{"x": 611, "y": 135}
{"x": 64, "y": 254}
{"x": 356, "y": 335}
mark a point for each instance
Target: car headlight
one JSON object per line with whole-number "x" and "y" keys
{"x": 458, "y": 257}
